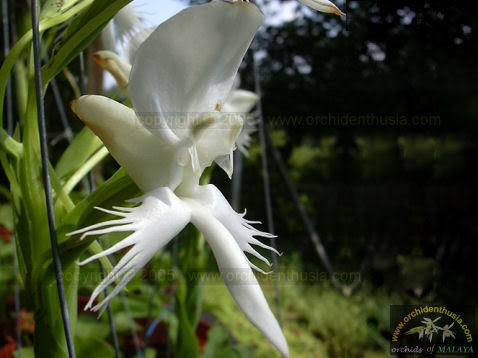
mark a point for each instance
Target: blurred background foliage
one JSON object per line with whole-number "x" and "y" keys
{"x": 376, "y": 118}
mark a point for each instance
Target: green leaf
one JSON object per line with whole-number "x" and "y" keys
{"x": 49, "y": 336}
{"x": 187, "y": 343}
{"x": 91, "y": 327}
{"x": 10, "y": 145}
{"x": 112, "y": 192}
{"x": 52, "y": 8}
{"x": 93, "y": 347}
{"x": 25, "y": 40}
{"x": 83, "y": 146}
{"x": 219, "y": 345}
{"x": 26, "y": 352}
{"x": 83, "y": 171}
{"x": 81, "y": 34}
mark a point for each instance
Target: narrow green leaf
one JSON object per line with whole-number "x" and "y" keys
{"x": 25, "y": 40}
{"x": 83, "y": 146}
{"x": 81, "y": 38}
{"x": 85, "y": 169}
{"x": 10, "y": 145}
{"x": 187, "y": 344}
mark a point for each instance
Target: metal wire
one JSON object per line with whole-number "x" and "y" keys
{"x": 91, "y": 179}
{"x": 265, "y": 178}
{"x": 46, "y": 180}
{"x": 313, "y": 234}
{"x": 124, "y": 301}
{"x": 137, "y": 345}
{"x": 82, "y": 73}
{"x": 114, "y": 334}
{"x": 236, "y": 184}
{"x": 68, "y": 133}
{"x": 9, "y": 105}
{"x": 6, "y": 50}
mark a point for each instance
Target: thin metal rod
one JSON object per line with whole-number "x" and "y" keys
{"x": 82, "y": 73}
{"x": 68, "y": 132}
{"x": 236, "y": 184}
{"x": 265, "y": 178}
{"x": 110, "y": 318}
{"x": 6, "y": 50}
{"x": 149, "y": 320}
{"x": 137, "y": 345}
{"x": 313, "y": 234}
{"x": 9, "y": 105}
{"x": 91, "y": 179}
{"x": 46, "y": 180}
{"x": 127, "y": 310}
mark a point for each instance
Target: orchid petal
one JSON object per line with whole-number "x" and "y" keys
{"x": 189, "y": 62}
{"x": 226, "y": 163}
{"x": 238, "y": 276}
{"x": 135, "y": 41}
{"x": 218, "y": 142}
{"x": 240, "y": 101}
{"x": 146, "y": 158}
{"x": 127, "y": 22}
{"x": 323, "y": 6}
{"x": 159, "y": 218}
{"x": 241, "y": 230}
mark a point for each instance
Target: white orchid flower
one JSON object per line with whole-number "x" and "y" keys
{"x": 239, "y": 101}
{"x": 323, "y": 6}
{"x": 242, "y": 102}
{"x": 179, "y": 82}
{"x": 447, "y": 332}
{"x": 125, "y": 24}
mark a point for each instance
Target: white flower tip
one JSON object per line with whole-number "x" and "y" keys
{"x": 324, "y": 6}
{"x": 112, "y": 63}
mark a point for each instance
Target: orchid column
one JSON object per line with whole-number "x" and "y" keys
{"x": 180, "y": 79}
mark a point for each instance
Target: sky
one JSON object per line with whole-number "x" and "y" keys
{"x": 156, "y": 11}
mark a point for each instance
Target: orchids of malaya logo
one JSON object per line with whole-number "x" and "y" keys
{"x": 180, "y": 79}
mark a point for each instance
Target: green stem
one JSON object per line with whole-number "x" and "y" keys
{"x": 10, "y": 145}
{"x": 85, "y": 169}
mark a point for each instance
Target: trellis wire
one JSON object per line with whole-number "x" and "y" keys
{"x": 46, "y": 180}
{"x": 9, "y": 105}
{"x": 150, "y": 322}
{"x": 6, "y": 50}
{"x": 265, "y": 177}
{"x": 114, "y": 334}
{"x": 68, "y": 133}
{"x": 314, "y": 236}
{"x": 91, "y": 179}
{"x": 137, "y": 345}
{"x": 236, "y": 184}
{"x": 124, "y": 301}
